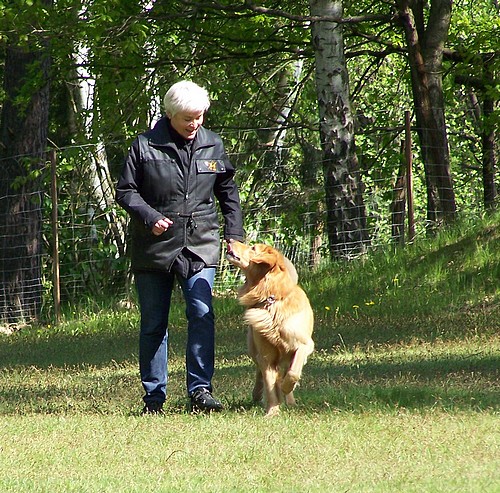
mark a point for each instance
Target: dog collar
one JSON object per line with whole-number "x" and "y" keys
{"x": 270, "y": 300}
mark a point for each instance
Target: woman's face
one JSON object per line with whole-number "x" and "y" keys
{"x": 187, "y": 123}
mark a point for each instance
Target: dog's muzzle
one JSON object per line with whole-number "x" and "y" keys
{"x": 230, "y": 252}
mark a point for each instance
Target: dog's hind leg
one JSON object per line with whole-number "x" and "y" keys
{"x": 267, "y": 359}
{"x": 258, "y": 388}
{"x": 272, "y": 390}
{"x": 266, "y": 356}
{"x": 294, "y": 372}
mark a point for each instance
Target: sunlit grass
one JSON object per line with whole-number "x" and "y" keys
{"x": 246, "y": 452}
{"x": 461, "y": 266}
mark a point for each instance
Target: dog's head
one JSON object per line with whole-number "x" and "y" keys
{"x": 257, "y": 260}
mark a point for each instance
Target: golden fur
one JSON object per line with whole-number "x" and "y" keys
{"x": 280, "y": 321}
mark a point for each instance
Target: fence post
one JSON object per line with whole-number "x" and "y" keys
{"x": 55, "y": 237}
{"x": 409, "y": 176}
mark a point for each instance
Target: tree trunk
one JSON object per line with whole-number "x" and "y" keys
{"x": 425, "y": 54}
{"x": 273, "y": 139}
{"x": 271, "y": 173}
{"x": 23, "y": 134}
{"x": 283, "y": 99}
{"x": 316, "y": 217}
{"x": 346, "y": 216}
{"x": 97, "y": 168}
{"x": 488, "y": 142}
{"x": 484, "y": 123}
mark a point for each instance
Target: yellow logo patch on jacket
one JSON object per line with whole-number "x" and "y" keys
{"x": 210, "y": 166}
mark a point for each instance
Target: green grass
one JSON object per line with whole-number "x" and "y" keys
{"x": 317, "y": 452}
{"x": 401, "y": 394}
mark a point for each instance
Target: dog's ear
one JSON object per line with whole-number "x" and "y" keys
{"x": 292, "y": 271}
{"x": 266, "y": 258}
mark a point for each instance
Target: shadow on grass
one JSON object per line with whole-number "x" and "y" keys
{"x": 449, "y": 384}
{"x": 446, "y": 382}
{"x": 452, "y": 383}
{"x": 61, "y": 350}
{"x": 367, "y": 329}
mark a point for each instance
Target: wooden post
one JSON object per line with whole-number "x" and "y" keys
{"x": 55, "y": 237}
{"x": 409, "y": 176}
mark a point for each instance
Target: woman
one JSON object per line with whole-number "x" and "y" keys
{"x": 171, "y": 180}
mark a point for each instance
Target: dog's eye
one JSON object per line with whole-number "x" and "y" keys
{"x": 253, "y": 248}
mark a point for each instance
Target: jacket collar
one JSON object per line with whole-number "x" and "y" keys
{"x": 161, "y": 135}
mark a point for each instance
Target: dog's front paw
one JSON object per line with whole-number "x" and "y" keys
{"x": 273, "y": 411}
{"x": 290, "y": 400}
{"x": 289, "y": 382}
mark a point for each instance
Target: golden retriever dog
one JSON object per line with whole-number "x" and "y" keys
{"x": 280, "y": 321}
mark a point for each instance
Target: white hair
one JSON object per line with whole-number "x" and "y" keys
{"x": 186, "y": 96}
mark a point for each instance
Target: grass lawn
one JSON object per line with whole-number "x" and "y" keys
{"x": 401, "y": 394}
{"x": 242, "y": 451}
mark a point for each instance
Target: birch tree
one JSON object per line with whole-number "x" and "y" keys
{"x": 346, "y": 216}
{"x": 100, "y": 181}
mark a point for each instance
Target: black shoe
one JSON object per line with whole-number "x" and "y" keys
{"x": 202, "y": 400}
{"x": 153, "y": 408}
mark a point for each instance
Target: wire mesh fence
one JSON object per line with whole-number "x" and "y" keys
{"x": 82, "y": 232}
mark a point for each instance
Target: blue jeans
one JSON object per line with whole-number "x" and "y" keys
{"x": 154, "y": 290}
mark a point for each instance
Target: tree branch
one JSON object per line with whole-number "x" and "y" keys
{"x": 249, "y": 6}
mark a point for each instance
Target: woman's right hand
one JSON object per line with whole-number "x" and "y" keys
{"x": 161, "y": 226}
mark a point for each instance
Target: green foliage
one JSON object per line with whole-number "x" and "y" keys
{"x": 474, "y": 34}
{"x": 134, "y": 52}
{"x": 90, "y": 263}
{"x": 475, "y": 27}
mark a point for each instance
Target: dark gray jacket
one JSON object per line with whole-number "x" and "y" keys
{"x": 158, "y": 181}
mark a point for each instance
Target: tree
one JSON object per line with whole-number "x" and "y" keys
{"x": 425, "y": 34}
{"x": 484, "y": 120}
{"x": 346, "y": 217}
{"x": 23, "y": 136}
{"x": 474, "y": 55}
{"x": 83, "y": 110}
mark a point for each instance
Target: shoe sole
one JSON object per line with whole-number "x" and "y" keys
{"x": 194, "y": 409}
